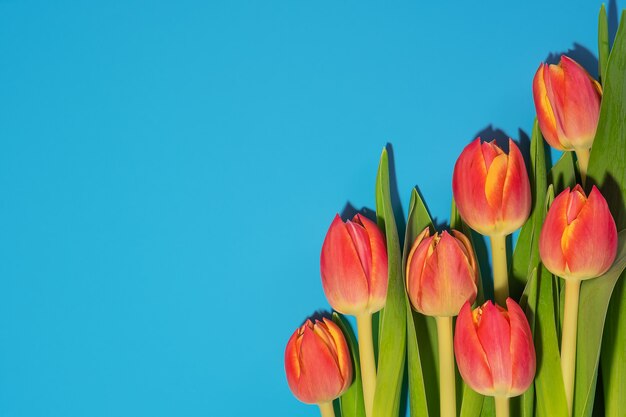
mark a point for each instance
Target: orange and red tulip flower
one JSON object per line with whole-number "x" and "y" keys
{"x": 318, "y": 362}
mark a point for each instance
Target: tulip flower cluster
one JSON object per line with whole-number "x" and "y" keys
{"x": 491, "y": 342}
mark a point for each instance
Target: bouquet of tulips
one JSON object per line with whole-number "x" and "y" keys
{"x": 544, "y": 334}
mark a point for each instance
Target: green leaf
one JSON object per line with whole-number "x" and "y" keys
{"x": 563, "y": 175}
{"x": 594, "y": 297}
{"x": 392, "y": 343}
{"x": 418, "y": 220}
{"x": 607, "y": 169}
{"x": 603, "y": 43}
{"x": 549, "y": 387}
{"x": 351, "y": 401}
{"x": 526, "y": 253}
{"x": 472, "y": 402}
{"x": 489, "y": 408}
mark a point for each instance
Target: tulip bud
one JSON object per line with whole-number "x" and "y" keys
{"x": 494, "y": 349}
{"x": 579, "y": 237}
{"x": 441, "y": 273}
{"x": 491, "y": 189}
{"x": 318, "y": 362}
{"x": 354, "y": 266}
{"x": 567, "y": 100}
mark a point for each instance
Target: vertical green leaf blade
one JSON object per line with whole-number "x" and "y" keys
{"x": 417, "y": 221}
{"x": 526, "y": 253}
{"x": 549, "y": 386}
{"x": 392, "y": 341}
{"x": 607, "y": 169}
{"x": 563, "y": 174}
{"x": 603, "y": 43}
{"x": 351, "y": 401}
{"x": 594, "y": 297}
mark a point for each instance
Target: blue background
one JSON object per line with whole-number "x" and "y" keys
{"x": 168, "y": 172}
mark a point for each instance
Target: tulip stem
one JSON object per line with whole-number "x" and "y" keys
{"x": 326, "y": 409}
{"x": 500, "y": 268}
{"x": 583, "y": 162}
{"x": 368, "y": 362}
{"x": 502, "y": 406}
{"x": 447, "y": 387}
{"x": 568, "y": 339}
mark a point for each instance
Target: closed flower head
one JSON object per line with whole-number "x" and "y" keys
{"x": 494, "y": 349}
{"x": 317, "y": 362}
{"x": 441, "y": 273}
{"x": 354, "y": 266}
{"x": 579, "y": 237}
{"x": 491, "y": 189}
{"x": 567, "y": 101}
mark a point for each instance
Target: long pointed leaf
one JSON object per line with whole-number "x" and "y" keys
{"x": 607, "y": 169}
{"x": 594, "y": 297}
{"x": 526, "y": 253}
{"x": 603, "y": 43}
{"x": 418, "y": 219}
{"x": 392, "y": 341}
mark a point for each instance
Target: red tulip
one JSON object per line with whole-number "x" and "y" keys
{"x": 494, "y": 349}
{"x": 579, "y": 237}
{"x": 318, "y": 363}
{"x": 441, "y": 273}
{"x": 567, "y": 100}
{"x": 491, "y": 189}
{"x": 354, "y": 266}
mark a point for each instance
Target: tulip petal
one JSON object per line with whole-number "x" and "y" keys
{"x": 494, "y": 334}
{"x": 320, "y": 379}
{"x": 292, "y": 363}
{"x": 470, "y": 356}
{"x": 545, "y": 113}
{"x": 554, "y": 78}
{"x": 494, "y": 182}
{"x": 415, "y": 268}
{"x": 577, "y": 201}
{"x": 361, "y": 243}
{"x": 342, "y": 352}
{"x": 516, "y": 196}
{"x": 522, "y": 350}
{"x": 378, "y": 275}
{"x": 580, "y": 102}
{"x": 552, "y": 230}
{"x": 448, "y": 280}
{"x": 343, "y": 277}
{"x": 468, "y": 187}
{"x": 490, "y": 151}
{"x": 591, "y": 240}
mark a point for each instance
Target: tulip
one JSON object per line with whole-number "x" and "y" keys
{"x": 318, "y": 364}
{"x": 492, "y": 193}
{"x": 441, "y": 273}
{"x": 354, "y": 276}
{"x": 578, "y": 241}
{"x": 567, "y": 100}
{"x": 441, "y": 276}
{"x": 354, "y": 266}
{"x": 494, "y": 351}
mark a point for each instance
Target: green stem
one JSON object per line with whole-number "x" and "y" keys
{"x": 368, "y": 362}
{"x": 502, "y": 406}
{"x": 500, "y": 268}
{"x": 568, "y": 339}
{"x": 447, "y": 387}
{"x": 326, "y": 409}
{"x": 583, "y": 162}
